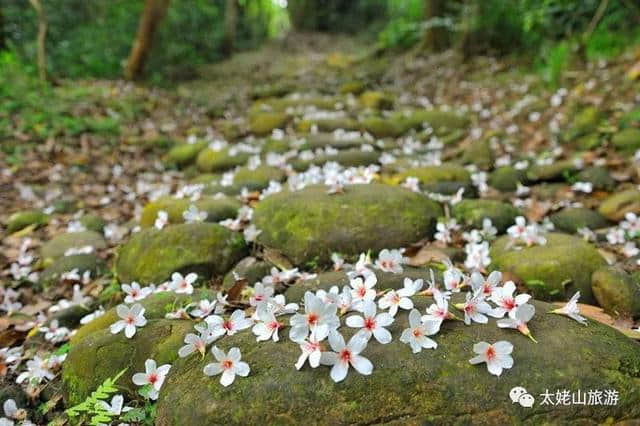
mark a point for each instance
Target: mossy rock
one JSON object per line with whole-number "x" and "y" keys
{"x": 56, "y": 247}
{"x": 93, "y": 222}
{"x": 586, "y": 121}
{"x": 617, "y": 205}
{"x": 65, "y": 205}
{"x": 355, "y": 87}
{"x": 279, "y": 146}
{"x": 328, "y": 124}
{"x": 217, "y": 209}
{"x": 209, "y": 160}
{"x": 598, "y": 176}
{"x": 263, "y": 123}
{"x": 258, "y": 178}
{"x": 81, "y": 262}
{"x": 442, "y": 122}
{"x": 347, "y": 158}
{"x": 152, "y": 255}
{"x": 184, "y": 154}
{"x": 554, "y": 271}
{"x": 550, "y": 191}
{"x": 479, "y": 153}
{"x": 506, "y": 178}
{"x": 101, "y": 355}
{"x": 446, "y": 172}
{"x": 573, "y": 218}
{"x": 249, "y": 268}
{"x": 309, "y": 225}
{"x": 376, "y": 100}
{"x": 588, "y": 142}
{"x": 627, "y": 139}
{"x": 323, "y": 140}
{"x": 616, "y": 291}
{"x": 21, "y": 220}
{"x": 384, "y": 127}
{"x": 451, "y": 188}
{"x": 550, "y": 172}
{"x": 432, "y": 387}
{"x": 473, "y": 212}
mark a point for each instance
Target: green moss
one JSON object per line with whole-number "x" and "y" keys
{"x": 480, "y": 154}
{"x": 328, "y": 124}
{"x": 258, "y": 178}
{"x": 384, "y": 127}
{"x": 81, "y": 262}
{"x": 209, "y": 160}
{"x": 56, "y": 247}
{"x": 627, "y": 139}
{"x": 347, "y": 158}
{"x": 442, "y": 173}
{"x": 437, "y": 386}
{"x": 21, "y": 220}
{"x": 506, "y": 178}
{"x": 550, "y": 172}
{"x": 571, "y": 219}
{"x": 554, "y": 271}
{"x": 217, "y": 209}
{"x": 616, "y": 291}
{"x": 376, "y": 100}
{"x": 184, "y": 154}
{"x": 586, "y": 121}
{"x": 263, "y": 123}
{"x": 598, "y": 176}
{"x": 617, "y": 205}
{"x": 93, "y": 222}
{"x": 152, "y": 255}
{"x": 311, "y": 223}
{"x": 473, "y": 212}
{"x": 442, "y": 122}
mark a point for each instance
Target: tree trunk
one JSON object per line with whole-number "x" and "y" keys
{"x": 435, "y": 37}
{"x": 42, "y": 36}
{"x": 154, "y": 11}
{"x": 230, "y": 21}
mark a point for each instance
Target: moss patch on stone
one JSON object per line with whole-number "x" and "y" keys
{"x": 571, "y": 219}
{"x": 152, "y": 255}
{"x": 619, "y": 204}
{"x": 57, "y": 246}
{"x": 446, "y": 172}
{"x": 311, "y": 224}
{"x": 209, "y": 160}
{"x": 217, "y": 209}
{"x": 263, "y": 123}
{"x": 473, "y": 212}
{"x": 21, "y": 220}
{"x": 554, "y": 271}
{"x": 616, "y": 291}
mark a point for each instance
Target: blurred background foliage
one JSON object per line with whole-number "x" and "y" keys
{"x": 93, "y": 38}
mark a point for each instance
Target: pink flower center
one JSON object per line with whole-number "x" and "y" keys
{"x": 227, "y": 325}
{"x": 468, "y": 308}
{"x": 345, "y": 355}
{"x": 153, "y": 378}
{"x": 370, "y": 323}
{"x": 227, "y": 364}
{"x": 273, "y": 325}
{"x": 417, "y": 332}
{"x": 491, "y": 353}
{"x": 312, "y": 318}
{"x": 509, "y": 303}
{"x": 362, "y": 291}
{"x": 129, "y": 319}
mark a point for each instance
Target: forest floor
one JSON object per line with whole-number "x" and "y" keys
{"x": 97, "y": 178}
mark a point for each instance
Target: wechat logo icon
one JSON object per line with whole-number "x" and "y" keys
{"x": 521, "y": 396}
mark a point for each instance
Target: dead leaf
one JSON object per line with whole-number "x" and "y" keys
{"x": 427, "y": 254}
{"x": 277, "y": 258}
{"x": 596, "y": 313}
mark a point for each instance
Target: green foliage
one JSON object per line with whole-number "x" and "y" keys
{"x": 93, "y": 406}
{"x": 404, "y": 27}
{"x": 145, "y": 415}
{"x": 336, "y": 15}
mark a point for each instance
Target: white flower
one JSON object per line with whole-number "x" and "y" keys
{"x": 363, "y": 289}
{"x": 631, "y": 224}
{"x": 180, "y": 284}
{"x": 519, "y": 320}
{"x": 390, "y": 261}
{"x": 412, "y": 183}
{"x": 477, "y": 255}
{"x": 400, "y": 299}
{"x": 478, "y": 282}
{"x": 372, "y": 324}
{"x": 161, "y": 220}
{"x": 345, "y": 356}
{"x": 475, "y": 308}
{"x": 251, "y": 233}
{"x": 192, "y": 214}
{"x": 228, "y": 364}
{"x": 260, "y": 293}
{"x": 131, "y": 318}
{"x": 616, "y": 236}
{"x": 37, "y": 369}
{"x": 135, "y": 293}
{"x": 444, "y": 229}
{"x": 453, "y": 279}
{"x": 438, "y": 311}
{"x": 93, "y": 315}
{"x": 572, "y": 310}
{"x": 338, "y": 261}
{"x": 586, "y": 187}
{"x": 153, "y": 376}
{"x": 519, "y": 229}
{"x": 319, "y": 316}
{"x": 630, "y": 249}
{"x": 268, "y": 326}
{"x": 219, "y": 326}
{"x": 416, "y": 335}
{"x": 54, "y": 333}
{"x": 507, "y": 303}
{"x": 193, "y": 343}
{"x": 10, "y": 412}
{"x": 117, "y": 405}
{"x": 9, "y": 356}
{"x": 310, "y": 348}
{"x": 203, "y": 309}
{"x": 497, "y": 356}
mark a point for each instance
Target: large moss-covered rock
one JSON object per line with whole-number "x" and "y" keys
{"x": 258, "y": 178}
{"x": 434, "y": 174}
{"x": 57, "y": 246}
{"x": 184, "y": 154}
{"x": 597, "y": 176}
{"x": 554, "y": 271}
{"x": 80, "y": 262}
{"x": 432, "y": 387}
{"x": 586, "y": 121}
{"x": 263, "y": 123}
{"x": 217, "y": 209}
{"x": 376, "y": 100}
{"x": 384, "y": 127}
{"x": 152, "y": 255}
{"x": 573, "y": 218}
{"x": 507, "y": 178}
{"x": 101, "y": 355}
{"x": 479, "y": 153}
{"x": 93, "y": 222}
{"x": 616, "y": 291}
{"x": 473, "y": 212}
{"x": 250, "y": 269}
{"x": 550, "y": 172}
{"x": 310, "y": 224}
{"x": 328, "y": 124}
{"x": 619, "y": 204}
{"x": 209, "y": 160}
{"x": 627, "y": 139}
{"x": 322, "y": 140}
{"x": 442, "y": 122}
{"x": 21, "y": 220}
{"x": 347, "y": 158}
